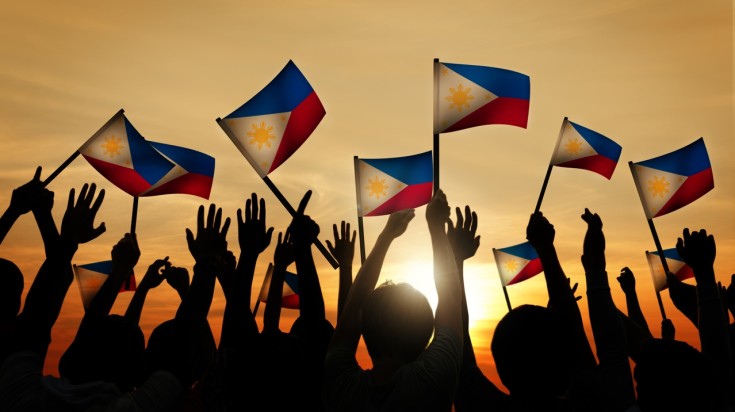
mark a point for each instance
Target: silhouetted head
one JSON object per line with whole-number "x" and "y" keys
{"x": 673, "y": 376}
{"x": 532, "y": 353}
{"x": 109, "y": 349}
{"x": 397, "y": 321}
{"x": 10, "y": 291}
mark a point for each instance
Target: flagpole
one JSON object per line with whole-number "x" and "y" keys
{"x": 507, "y": 299}
{"x": 59, "y": 169}
{"x": 361, "y": 232}
{"x": 551, "y": 165}
{"x": 135, "y": 215}
{"x": 500, "y": 276}
{"x": 292, "y": 211}
{"x": 360, "y": 226}
{"x": 436, "y": 135}
{"x": 663, "y": 262}
{"x": 255, "y": 309}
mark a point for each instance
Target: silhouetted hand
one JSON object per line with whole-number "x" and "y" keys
{"x": 210, "y": 243}
{"x": 574, "y": 289}
{"x": 540, "y": 232}
{"x": 437, "y": 211}
{"x": 593, "y": 258}
{"x": 284, "y": 254}
{"x": 729, "y": 297}
{"x": 397, "y": 223}
{"x": 343, "y": 248}
{"x": 177, "y": 278}
{"x": 462, "y": 236}
{"x": 227, "y": 277}
{"x": 304, "y": 231}
{"x": 697, "y": 249}
{"x": 626, "y": 280}
{"x": 154, "y": 276}
{"x": 252, "y": 233}
{"x": 30, "y": 196}
{"x": 668, "y": 332}
{"x": 77, "y": 225}
{"x": 125, "y": 253}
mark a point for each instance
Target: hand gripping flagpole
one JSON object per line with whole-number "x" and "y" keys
{"x": 360, "y": 226}
{"x": 281, "y": 198}
{"x": 655, "y": 237}
{"x": 436, "y": 135}
{"x": 551, "y": 166}
{"x": 71, "y": 158}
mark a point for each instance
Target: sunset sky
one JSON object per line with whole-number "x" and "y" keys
{"x": 652, "y": 75}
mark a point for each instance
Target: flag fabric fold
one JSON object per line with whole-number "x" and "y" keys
{"x": 192, "y": 174}
{"x": 467, "y": 96}
{"x": 676, "y": 265}
{"x": 388, "y": 185}
{"x": 122, "y": 156}
{"x": 581, "y": 148}
{"x": 517, "y": 263}
{"x": 271, "y": 126}
{"x": 91, "y": 276}
{"x": 672, "y": 181}
{"x": 290, "y": 294}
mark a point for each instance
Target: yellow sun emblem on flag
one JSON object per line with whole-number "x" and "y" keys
{"x": 261, "y": 135}
{"x": 659, "y": 186}
{"x": 460, "y": 97}
{"x": 511, "y": 265}
{"x": 112, "y": 146}
{"x": 376, "y": 187}
{"x": 573, "y": 146}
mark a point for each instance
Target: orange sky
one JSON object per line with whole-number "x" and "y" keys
{"x": 652, "y": 75}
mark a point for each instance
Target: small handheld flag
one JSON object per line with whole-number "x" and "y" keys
{"x": 192, "y": 173}
{"x": 517, "y": 263}
{"x": 91, "y": 276}
{"x": 123, "y": 156}
{"x": 388, "y": 185}
{"x": 271, "y": 126}
{"x": 290, "y": 294}
{"x": 581, "y": 148}
{"x": 672, "y": 181}
{"x": 467, "y": 96}
{"x": 676, "y": 265}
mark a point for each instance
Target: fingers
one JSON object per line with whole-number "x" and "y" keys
{"x": 70, "y": 203}
{"x": 225, "y": 227}
{"x": 473, "y": 224}
{"x": 334, "y": 229}
{"x": 189, "y": 238}
{"x": 329, "y": 246}
{"x": 354, "y": 233}
{"x": 37, "y": 175}
{"x": 262, "y": 209}
{"x": 210, "y": 215}
{"x": 96, "y": 232}
{"x": 303, "y": 203}
{"x": 240, "y": 222}
{"x": 98, "y": 202}
{"x": 200, "y": 218}
{"x": 254, "y": 210}
{"x": 460, "y": 219}
{"x": 217, "y": 219}
{"x": 82, "y": 194}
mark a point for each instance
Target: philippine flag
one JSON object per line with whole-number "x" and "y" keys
{"x": 672, "y": 181}
{"x": 517, "y": 263}
{"x": 290, "y": 294}
{"x": 676, "y": 266}
{"x": 123, "y": 156}
{"x": 271, "y": 126}
{"x": 192, "y": 173}
{"x": 581, "y": 148}
{"x": 91, "y": 276}
{"x": 467, "y": 96}
{"x": 391, "y": 184}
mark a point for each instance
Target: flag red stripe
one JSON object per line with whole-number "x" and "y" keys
{"x": 503, "y": 110}
{"x": 188, "y": 184}
{"x": 532, "y": 269}
{"x": 304, "y": 119}
{"x": 693, "y": 188}
{"x": 597, "y": 163}
{"x": 410, "y": 197}
{"x": 290, "y": 302}
{"x": 126, "y": 179}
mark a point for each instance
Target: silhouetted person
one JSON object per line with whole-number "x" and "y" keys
{"x": 343, "y": 251}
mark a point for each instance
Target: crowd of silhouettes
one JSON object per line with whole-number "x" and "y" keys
{"x": 422, "y": 360}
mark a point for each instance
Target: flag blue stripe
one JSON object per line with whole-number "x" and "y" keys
{"x": 410, "y": 170}
{"x": 292, "y": 281}
{"x": 602, "y": 144}
{"x": 191, "y": 160}
{"x": 686, "y": 161}
{"x": 670, "y": 254}
{"x": 523, "y": 250}
{"x": 104, "y": 267}
{"x": 283, "y": 94}
{"x": 147, "y": 162}
{"x": 502, "y": 82}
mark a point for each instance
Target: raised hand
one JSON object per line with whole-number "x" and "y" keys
{"x": 210, "y": 243}
{"x": 668, "y": 331}
{"x": 697, "y": 249}
{"x": 540, "y": 232}
{"x": 343, "y": 248}
{"x": 77, "y": 225}
{"x": 252, "y": 233}
{"x": 125, "y": 253}
{"x": 626, "y": 280}
{"x": 30, "y": 196}
{"x": 729, "y": 297}
{"x": 437, "y": 211}
{"x": 304, "y": 230}
{"x": 154, "y": 276}
{"x": 593, "y": 258}
{"x": 462, "y": 236}
{"x": 398, "y": 222}
{"x": 284, "y": 254}
{"x": 177, "y": 278}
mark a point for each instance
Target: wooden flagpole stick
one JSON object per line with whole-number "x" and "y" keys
{"x": 502, "y": 283}
{"x": 255, "y": 309}
{"x": 360, "y": 227}
{"x": 59, "y": 169}
{"x": 551, "y": 166}
{"x": 660, "y": 304}
{"x": 436, "y": 135}
{"x": 507, "y": 299}
{"x": 135, "y": 215}
{"x": 292, "y": 211}
{"x": 361, "y": 234}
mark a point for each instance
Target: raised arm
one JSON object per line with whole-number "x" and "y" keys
{"x": 347, "y": 332}
{"x": 125, "y": 255}
{"x": 684, "y": 297}
{"x": 607, "y": 329}
{"x": 283, "y": 256}
{"x": 627, "y": 284}
{"x": 343, "y": 251}
{"x": 152, "y": 279}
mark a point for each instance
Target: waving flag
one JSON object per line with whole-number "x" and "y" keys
{"x": 672, "y": 181}
{"x": 517, "y": 263}
{"x": 91, "y": 276}
{"x": 192, "y": 173}
{"x": 290, "y": 294}
{"x": 467, "y": 96}
{"x": 268, "y": 128}
{"x": 582, "y": 148}
{"x": 676, "y": 266}
{"x": 391, "y": 184}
